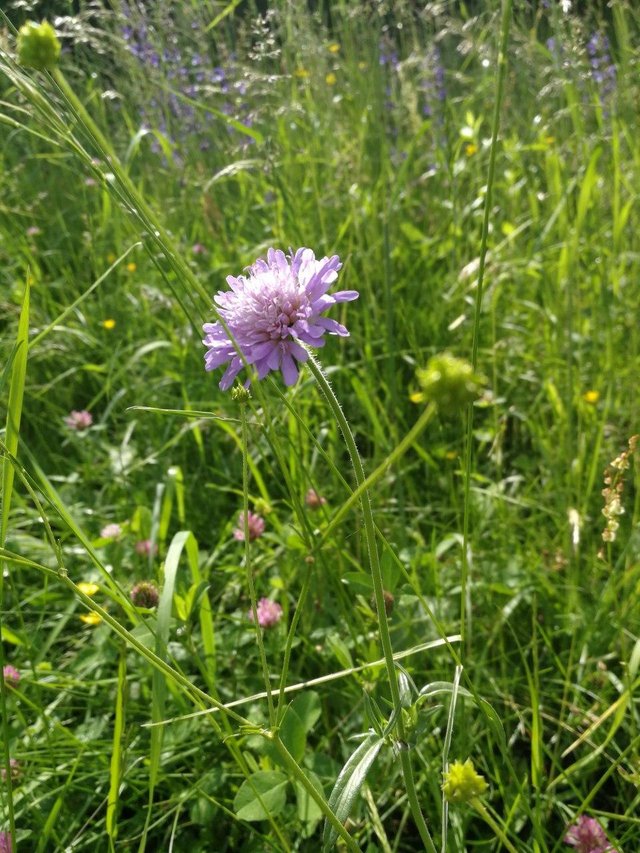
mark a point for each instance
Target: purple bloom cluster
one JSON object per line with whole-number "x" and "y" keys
{"x": 603, "y": 69}
{"x": 5, "y": 842}
{"x": 272, "y": 312}
{"x": 587, "y": 836}
{"x": 431, "y": 82}
{"x": 191, "y": 76}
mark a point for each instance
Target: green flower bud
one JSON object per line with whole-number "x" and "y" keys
{"x": 240, "y": 394}
{"x": 38, "y": 45}
{"x": 462, "y": 783}
{"x": 448, "y": 381}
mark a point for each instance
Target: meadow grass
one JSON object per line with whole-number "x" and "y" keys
{"x": 463, "y": 603}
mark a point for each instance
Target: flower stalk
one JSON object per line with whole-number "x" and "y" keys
{"x": 378, "y": 591}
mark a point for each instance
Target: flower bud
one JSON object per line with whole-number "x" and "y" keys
{"x": 145, "y": 594}
{"x": 38, "y": 45}
{"x": 462, "y": 783}
{"x": 449, "y": 382}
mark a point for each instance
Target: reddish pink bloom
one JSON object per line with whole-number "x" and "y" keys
{"x": 11, "y": 675}
{"x": 145, "y": 594}
{"x": 269, "y": 613}
{"x": 313, "y": 500}
{"x": 588, "y": 836}
{"x": 79, "y": 420}
{"x": 255, "y": 523}
{"x": 5, "y": 842}
{"x": 146, "y": 547}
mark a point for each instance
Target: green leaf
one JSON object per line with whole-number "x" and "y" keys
{"x": 293, "y": 734}
{"x": 261, "y": 795}
{"x": 307, "y": 707}
{"x": 309, "y": 812}
{"x": 349, "y": 783}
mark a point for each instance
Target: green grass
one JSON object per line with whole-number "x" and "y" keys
{"x": 319, "y": 135}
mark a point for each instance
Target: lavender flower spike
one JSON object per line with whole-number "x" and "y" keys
{"x": 272, "y": 311}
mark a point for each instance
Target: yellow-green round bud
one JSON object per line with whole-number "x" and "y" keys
{"x": 462, "y": 783}
{"x": 38, "y": 45}
{"x": 449, "y": 382}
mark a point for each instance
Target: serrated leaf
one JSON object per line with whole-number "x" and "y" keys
{"x": 261, "y": 795}
{"x": 349, "y": 783}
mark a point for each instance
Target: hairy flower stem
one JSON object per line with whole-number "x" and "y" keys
{"x": 378, "y": 591}
{"x": 465, "y": 609}
{"x": 247, "y": 563}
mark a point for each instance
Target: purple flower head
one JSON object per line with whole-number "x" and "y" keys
{"x": 272, "y": 311}
{"x": 255, "y": 524}
{"x": 5, "y": 842}
{"x": 269, "y": 613}
{"x": 587, "y": 836}
{"x": 10, "y": 675}
{"x": 199, "y": 249}
{"x": 79, "y": 420}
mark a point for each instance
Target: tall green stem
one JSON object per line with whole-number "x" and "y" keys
{"x": 378, "y": 591}
{"x": 247, "y": 563}
{"x": 465, "y": 609}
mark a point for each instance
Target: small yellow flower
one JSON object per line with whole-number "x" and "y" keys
{"x": 88, "y": 588}
{"x": 451, "y": 454}
{"x": 111, "y": 258}
{"x": 416, "y": 397}
{"x": 131, "y": 267}
{"x": 109, "y": 324}
{"x": 302, "y": 73}
{"x": 334, "y": 47}
{"x": 549, "y": 140}
{"x": 91, "y": 618}
{"x": 591, "y": 397}
{"x": 462, "y": 783}
{"x": 470, "y": 149}
{"x": 331, "y": 79}
{"x": 362, "y": 66}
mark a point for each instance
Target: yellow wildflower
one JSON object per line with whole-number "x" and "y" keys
{"x": 462, "y": 783}
{"x": 591, "y": 397}
{"x": 91, "y": 618}
{"x": 88, "y": 588}
{"x": 109, "y": 324}
{"x": 111, "y": 258}
{"x": 416, "y": 397}
{"x": 331, "y": 79}
{"x": 470, "y": 149}
{"x": 131, "y": 267}
{"x": 334, "y": 47}
{"x": 302, "y": 73}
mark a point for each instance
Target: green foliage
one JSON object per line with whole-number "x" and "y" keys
{"x": 162, "y": 160}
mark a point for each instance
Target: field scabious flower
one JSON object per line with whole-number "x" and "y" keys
{"x": 587, "y": 836}
{"x": 269, "y": 613}
{"x": 272, "y": 312}
{"x": 255, "y": 524}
